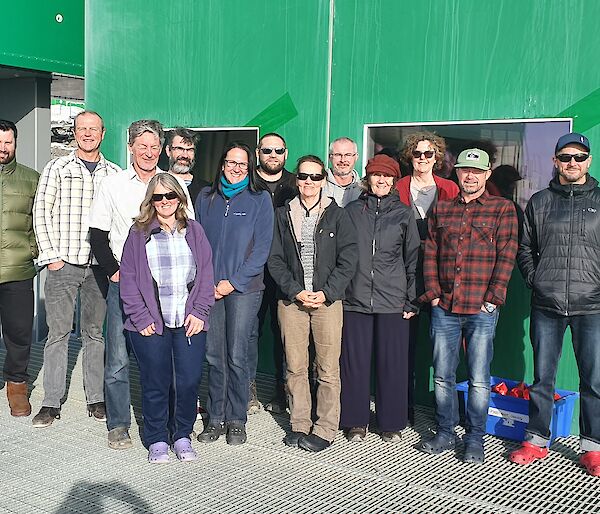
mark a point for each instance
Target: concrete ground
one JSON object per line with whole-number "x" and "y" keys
{"x": 68, "y": 468}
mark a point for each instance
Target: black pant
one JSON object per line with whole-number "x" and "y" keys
{"x": 16, "y": 316}
{"x": 387, "y": 336}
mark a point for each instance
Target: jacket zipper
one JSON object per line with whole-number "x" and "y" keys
{"x": 373, "y": 249}
{"x": 217, "y": 257}
{"x": 572, "y": 201}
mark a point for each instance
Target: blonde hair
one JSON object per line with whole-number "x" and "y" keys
{"x": 147, "y": 209}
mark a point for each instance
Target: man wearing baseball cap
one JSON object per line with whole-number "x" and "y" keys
{"x": 469, "y": 256}
{"x": 559, "y": 256}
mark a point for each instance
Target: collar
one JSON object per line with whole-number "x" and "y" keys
{"x": 132, "y": 174}
{"x": 331, "y": 179}
{"x": 10, "y": 167}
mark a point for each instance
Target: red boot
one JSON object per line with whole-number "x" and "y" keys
{"x": 527, "y": 454}
{"x": 591, "y": 462}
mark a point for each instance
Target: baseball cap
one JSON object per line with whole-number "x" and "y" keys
{"x": 571, "y": 138}
{"x": 473, "y": 158}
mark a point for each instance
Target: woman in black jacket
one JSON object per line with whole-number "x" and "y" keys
{"x": 313, "y": 258}
{"x": 379, "y": 302}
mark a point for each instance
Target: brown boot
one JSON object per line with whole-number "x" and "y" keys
{"x": 17, "y": 398}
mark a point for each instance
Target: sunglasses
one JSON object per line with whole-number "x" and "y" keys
{"x": 157, "y": 197}
{"x": 267, "y": 151}
{"x": 428, "y": 154}
{"x": 314, "y": 178}
{"x": 566, "y": 157}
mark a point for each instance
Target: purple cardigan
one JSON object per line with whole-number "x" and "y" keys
{"x": 138, "y": 293}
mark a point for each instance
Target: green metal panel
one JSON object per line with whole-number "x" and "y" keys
{"x": 266, "y": 63}
{"x": 206, "y": 63}
{"x": 43, "y": 35}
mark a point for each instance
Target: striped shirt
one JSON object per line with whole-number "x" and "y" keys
{"x": 172, "y": 266}
{"x": 470, "y": 253}
{"x": 62, "y": 206}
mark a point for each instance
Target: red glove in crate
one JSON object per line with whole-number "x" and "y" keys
{"x": 500, "y": 388}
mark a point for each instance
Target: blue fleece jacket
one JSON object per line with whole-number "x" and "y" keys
{"x": 240, "y": 232}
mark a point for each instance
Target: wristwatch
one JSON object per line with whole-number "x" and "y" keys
{"x": 489, "y": 307}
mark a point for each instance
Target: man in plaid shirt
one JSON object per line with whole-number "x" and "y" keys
{"x": 469, "y": 257}
{"x": 61, "y": 223}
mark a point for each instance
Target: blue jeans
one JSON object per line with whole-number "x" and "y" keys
{"x": 231, "y": 322}
{"x": 547, "y": 331}
{"x": 116, "y": 364}
{"x": 447, "y": 331}
{"x": 170, "y": 372}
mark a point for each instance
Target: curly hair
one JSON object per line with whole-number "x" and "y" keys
{"x": 410, "y": 144}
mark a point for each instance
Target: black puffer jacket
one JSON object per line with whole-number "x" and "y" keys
{"x": 559, "y": 255}
{"x": 335, "y": 253}
{"x": 388, "y": 244}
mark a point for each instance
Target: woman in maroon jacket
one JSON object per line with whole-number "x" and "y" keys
{"x": 421, "y": 190}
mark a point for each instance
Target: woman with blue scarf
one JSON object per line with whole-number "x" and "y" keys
{"x": 238, "y": 221}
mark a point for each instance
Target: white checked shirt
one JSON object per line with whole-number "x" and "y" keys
{"x": 117, "y": 202}
{"x": 62, "y": 206}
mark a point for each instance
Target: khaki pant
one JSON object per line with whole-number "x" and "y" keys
{"x": 296, "y": 324}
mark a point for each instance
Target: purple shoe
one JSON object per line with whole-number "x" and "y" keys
{"x": 183, "y": 450}
{"x": 158, "y": 453}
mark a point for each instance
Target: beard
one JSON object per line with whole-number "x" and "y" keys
{"x": 181, "y": 166}
{"x": 271, "y": 167}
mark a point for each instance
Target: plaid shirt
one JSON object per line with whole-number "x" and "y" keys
{"x": 62, "y": 206}
{"x": 172, "y": 266}
{"x": 470, "y": 253}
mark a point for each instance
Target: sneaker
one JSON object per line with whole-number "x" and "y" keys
{"x": 236, "y": 434}
{"x": 292, "y": 439}
{"x": 158, "y": 453}
{"x": 97, "y": 411}
{"x": 313, "y": 443}
{"x": 183, "y": 450}
{"x": 45, "y": 417}
{"x": 391, "y": 437}
{"x": 253, "y": 404}
{"x": 356, "y": 434}
{"x": 118, "y": 438}
{"x": 211, "y": 433}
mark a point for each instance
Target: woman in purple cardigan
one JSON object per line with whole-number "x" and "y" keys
{"x": 167, "y": 292}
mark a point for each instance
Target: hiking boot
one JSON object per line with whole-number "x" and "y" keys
{"x": 212, "y": 432}
{"x": 97, "y": 411}
{"x": 356, "y": 434}
{"x": 292, "y": 439}
{"x": 16, "y": 392}
{"x": 118, "y": 438}
{"x": 236, "y": 434}
{"x": 45, "y": 417}
{"x": 253, "y": 404}
{"x": 313, "y": 443}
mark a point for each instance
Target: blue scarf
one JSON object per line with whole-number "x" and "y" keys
{"x": 230, "y": 190}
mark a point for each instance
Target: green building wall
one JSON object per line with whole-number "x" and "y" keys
{"x": 319, "y": 69}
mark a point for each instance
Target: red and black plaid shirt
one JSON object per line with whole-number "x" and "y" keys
{"x": 470, "y": 253}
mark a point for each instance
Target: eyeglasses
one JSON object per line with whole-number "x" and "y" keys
{"x": 267, "y": 151}
{"x": 233, "y": 164}
{"x": 344, "y": 155}
{"x": 182, "y": 149}
{"x": 428, "y": 154}
{"x": 566, "y": 157}
{"x": 305, "y": 176}
{"x": 158, "y": 197}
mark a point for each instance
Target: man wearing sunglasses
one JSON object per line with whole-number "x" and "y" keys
{"x": 342, "y": 183}
{"x": 559, "y": 256}
{"x": 115, "y": 204}
{"x": 271, "y": 176}
{"x": 469, "y": 257}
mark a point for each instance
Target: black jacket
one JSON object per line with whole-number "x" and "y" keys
{"x": 285, "y": 190}
{"x": 335, "y": 254}
{"x": 559, "y": 255}
{"x": 388, "y": 245}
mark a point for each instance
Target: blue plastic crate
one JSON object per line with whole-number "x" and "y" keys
{"x": 508, "y": 416}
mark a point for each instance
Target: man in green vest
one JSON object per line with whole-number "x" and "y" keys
{"x": 17, "y": 251}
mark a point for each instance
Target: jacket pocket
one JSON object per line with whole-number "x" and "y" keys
{"x": 483, "y": 231}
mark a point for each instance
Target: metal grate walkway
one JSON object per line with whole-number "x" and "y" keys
{"x": 68, "y": 468}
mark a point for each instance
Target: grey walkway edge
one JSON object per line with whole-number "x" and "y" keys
{"x": 68, "y": 468}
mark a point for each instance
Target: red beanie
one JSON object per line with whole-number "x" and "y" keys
{"x": 382, "y": 163}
